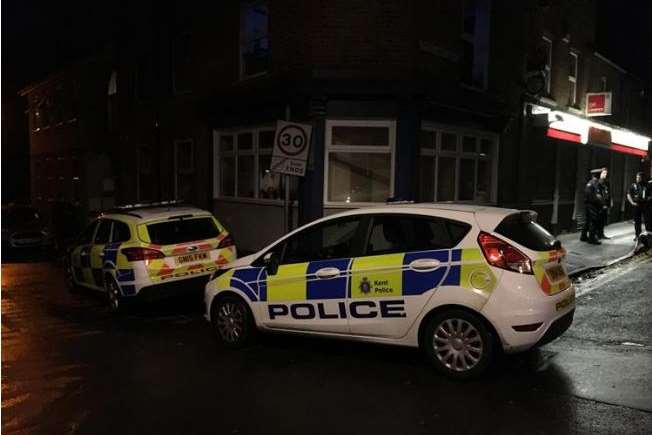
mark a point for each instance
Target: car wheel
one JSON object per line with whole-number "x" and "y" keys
{"x": 115, "y": 299}
{"x": 458, "y": 344}
{"x": 233, "y": 322}
{"x": 70, "y": 277}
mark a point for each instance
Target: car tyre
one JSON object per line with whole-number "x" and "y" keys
{"x": 233, "y": 322}
{"x": 458, "y": 343}
{"x": 114, "y": 296}
{"x": 71, "y": 285}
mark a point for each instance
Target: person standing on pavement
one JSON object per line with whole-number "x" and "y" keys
{"x": 592, "y": 208}
{"x": 607, "y": 203}
{"x": 637, "y": 197}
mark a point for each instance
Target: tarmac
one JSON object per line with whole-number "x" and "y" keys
{"x": 583, "y": 256}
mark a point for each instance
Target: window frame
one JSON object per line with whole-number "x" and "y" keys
{"x": 329, "y": 148}
{"x": 574, "y": 57}
{"x": 256, "y": 151}
{"x": 547, "y": 67}
{"x": 459, "y": 154}
{"x": 241, "y": 42}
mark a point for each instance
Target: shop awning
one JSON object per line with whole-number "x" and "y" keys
{"x": 573, "y": 128}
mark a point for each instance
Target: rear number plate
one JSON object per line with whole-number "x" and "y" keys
{"x": 191, "y": 258}
{"x": 556, "y": 273}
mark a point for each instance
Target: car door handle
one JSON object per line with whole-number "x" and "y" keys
{"x": 327, "y": 273}
{"x": 424, "y": 264}
{"x": 101, "y": 254}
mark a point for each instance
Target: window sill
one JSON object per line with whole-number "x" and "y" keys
{"x": 548, "y": 100}
{"x": 350, "y": 205}
{"x": 576, "y": 110}
{"x": 254, "y": 201}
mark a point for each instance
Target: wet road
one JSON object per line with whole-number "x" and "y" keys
{"x": 68, "y": 366}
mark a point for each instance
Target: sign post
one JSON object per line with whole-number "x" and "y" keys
{"x": 290, "y": 155}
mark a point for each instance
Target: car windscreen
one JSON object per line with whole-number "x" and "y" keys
{"x": 182, "y": 230}
{"x": 523, "y": 229}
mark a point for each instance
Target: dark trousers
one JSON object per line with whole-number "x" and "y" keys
{"x": 639, "y": 215}
{"x": 591, "y": 222}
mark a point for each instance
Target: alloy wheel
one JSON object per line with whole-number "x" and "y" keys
{"x": 457, "y": 344}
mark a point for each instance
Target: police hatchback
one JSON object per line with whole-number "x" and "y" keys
{"x": 148, "y": 251}
{"x": 458, "y": 281}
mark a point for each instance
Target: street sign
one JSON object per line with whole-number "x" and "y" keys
{"x": 291, "y": 145}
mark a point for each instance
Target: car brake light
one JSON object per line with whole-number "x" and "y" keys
{"x": 226, "y": 242}
{"x": 501, "y": 254}
{"x": 140, "y": 254}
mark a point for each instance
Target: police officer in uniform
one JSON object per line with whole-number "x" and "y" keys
{"x": 607, "y": 203}
{"x": 637, "y": 197}
{"x": 593, "y": 205}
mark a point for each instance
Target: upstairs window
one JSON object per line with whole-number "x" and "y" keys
{"x": 254, "y": 38}
{"x": 572, "y": 79}
{"x": 547, "y": 45}
{"x": 475, "y": 43}
{"x": 181, "y": 64}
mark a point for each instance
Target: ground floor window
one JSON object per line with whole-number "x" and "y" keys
{"x": 456, "y": 165}
{"x": 242, "y": 166}
{"x": 359, "y": 163}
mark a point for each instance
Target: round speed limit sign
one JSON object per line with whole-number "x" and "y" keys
{"x": 292, "y": 140}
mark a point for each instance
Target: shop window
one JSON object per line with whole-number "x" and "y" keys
{"x": 254, "y": 38}
{"x": 572, "y": 78}
{"x": 359, "y": 161}
{"x": 547, "y": 46}
{"x": 243, "y": 160}
{"x": 459, "y": 167}
{"x": 184, "y": 164}
{"x": 475, "y": 43}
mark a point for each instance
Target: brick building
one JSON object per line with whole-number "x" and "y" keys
{"x": 414, "y": 99}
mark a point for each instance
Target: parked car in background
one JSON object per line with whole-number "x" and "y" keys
{"x": 23, "y": 228}
{"x": 148, "y": 251}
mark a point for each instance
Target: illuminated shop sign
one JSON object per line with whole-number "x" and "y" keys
{"x": 598, "y": 103}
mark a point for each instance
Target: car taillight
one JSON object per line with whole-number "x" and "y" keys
{"x": 501, "y": 254}
{"x": 226, "y": 242}
{"x": 140, "y": 254}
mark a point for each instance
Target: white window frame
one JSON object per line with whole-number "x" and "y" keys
{"x": 255, "y": 151}
{"x": 183, "y": 171}
{"x": 361, "y": 149}
{"x": 548, "y": 65}
{"x": 573, "y": 79}
{"x": 459, "y": 154}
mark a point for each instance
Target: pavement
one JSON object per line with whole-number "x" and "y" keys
{"x": 582, "y": 256}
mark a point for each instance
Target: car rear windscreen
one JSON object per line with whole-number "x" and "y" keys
{"x": 182, "y": 230}
{"x": 523, "y": 229}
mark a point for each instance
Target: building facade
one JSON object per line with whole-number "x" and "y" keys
{"x": 475, "y": 101}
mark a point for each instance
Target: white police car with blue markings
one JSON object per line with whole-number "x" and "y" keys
{"x": 455, "y": 280}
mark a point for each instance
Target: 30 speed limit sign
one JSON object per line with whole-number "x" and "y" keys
{"x": 291, "y": 144}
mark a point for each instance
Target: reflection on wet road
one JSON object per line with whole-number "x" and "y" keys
{"x": 68, "y": 366}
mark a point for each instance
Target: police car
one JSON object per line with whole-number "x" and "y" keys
{"x": 458, "y": 281}
{"x": 149, "y": 251}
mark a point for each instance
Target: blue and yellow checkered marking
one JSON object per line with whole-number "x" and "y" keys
{"x": 365, "y": 277}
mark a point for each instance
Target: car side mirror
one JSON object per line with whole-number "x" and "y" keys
{"x": 271, "y": 263}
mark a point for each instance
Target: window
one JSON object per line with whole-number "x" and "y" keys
{"x": 243, "y": 159}
{"x": 603, "y": 84}
{"x": 177, "y": 231}
{"x": 359, "y": 161}
{"x": 456, "y": 166}
{"x": 87, "y": 235}
{"x": 547, "y": 44}
{"x": 475, "y": 43}
{"x": 572, "y": 79}
{"x": 403, "y": 233}
{"x": 254, "y": 38}
{"x": 103, "y": 232}
{"x": 181, "y": 63}
{"x": 184, "y": 164}
{"x": 523, "y": 229}
{"x": 330, "y": 240}
{"x": 121, "y": 232}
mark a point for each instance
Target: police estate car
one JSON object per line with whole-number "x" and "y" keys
{"x": 150, "y": 251}
{"x": 455, "y": 280}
